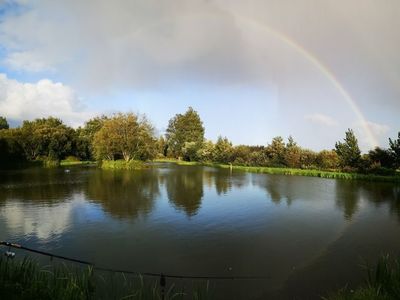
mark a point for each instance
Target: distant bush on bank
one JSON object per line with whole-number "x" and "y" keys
{"x": 122, "y": 165}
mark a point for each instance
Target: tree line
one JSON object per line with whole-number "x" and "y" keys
{"x": 129, "y": 136}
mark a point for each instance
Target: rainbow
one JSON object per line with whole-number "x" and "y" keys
{"x": 371, "y": 139}
{"x": 370, "y": 136}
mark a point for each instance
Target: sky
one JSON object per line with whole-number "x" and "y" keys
{"x": 252, "y": 69}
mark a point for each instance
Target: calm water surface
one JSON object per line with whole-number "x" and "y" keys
{"x": 309, "y": 235}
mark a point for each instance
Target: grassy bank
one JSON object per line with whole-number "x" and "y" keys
{"x": 26, "y": 279}
{"x": 383, "y": 283}
{"x": 178, "y": 162}
{"x": 66, "y": 163}
{"x": 122, "y": 165}
{"x": 293, "y": 172}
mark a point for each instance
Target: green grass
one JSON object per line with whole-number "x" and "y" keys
{"x": 27, "y": 279}
{"x": 122, "y": 165}
{"x": 293, "y": 172}
{"x": 178, "y": 162}
{"x": 383, "y": 283}
{"x": 312, "y": 173}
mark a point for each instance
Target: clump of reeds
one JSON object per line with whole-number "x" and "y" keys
{"x": 383, "y": 283}
{"x": 27, "y": 279}
{"x": 24, "y": 279}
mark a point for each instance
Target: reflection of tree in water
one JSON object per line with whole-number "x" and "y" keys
{"x": 383, "y": 192}
{"x": 39, "y": 185}
{"x": 185, "y": 188}
{"x": 224, "y": 179}
{"x": 347, "y": 197}
{"x": 124, "y": 194}
{"x": 221, "y": 179}
{"x": 278, "y": 187}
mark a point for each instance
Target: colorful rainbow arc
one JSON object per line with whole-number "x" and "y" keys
{"x": 321, "y": 67}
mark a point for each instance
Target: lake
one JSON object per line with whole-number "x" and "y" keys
{"x": 307, "y": 235}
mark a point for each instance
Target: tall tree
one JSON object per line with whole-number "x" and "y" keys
{"x": 276, "y": 151}
{"x": 327, "y": 159}
{"x": 127, "y": 135}
{"x": 348, "y": 151}
{"x": 185, "y": 134}
{"x": 395, "y": 150}
{"x": 3, "y": 123}
{"x": 292, "y": 154}
{"x": 85, "y": 135}
{"x": 47, "y": 137}
{"x": 383, "y": 157}
{"x": 223, "y": 150}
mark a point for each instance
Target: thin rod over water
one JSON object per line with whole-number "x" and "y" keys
{"x": 17, "y": 246}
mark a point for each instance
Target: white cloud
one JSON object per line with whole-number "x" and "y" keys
{"x": 19, "y": 101}
{"x": 321, "y": 119}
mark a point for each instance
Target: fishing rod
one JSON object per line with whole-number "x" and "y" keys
{"x": 149, "y": 274}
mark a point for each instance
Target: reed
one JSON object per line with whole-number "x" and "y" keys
{"x": 27, "y": 279}
{"x": 382, "y": 282}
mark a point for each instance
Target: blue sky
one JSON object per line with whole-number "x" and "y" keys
{"x": 253, "y": 70}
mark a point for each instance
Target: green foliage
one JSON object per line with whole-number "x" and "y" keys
{"x": 383, "y": 157}
{"x": 183, "y": 129}
{"x": 348, "y": 151}
{"x": 383, "y": 283}
{"x": 26, "y": 279}
{"x": 122, "y": 165}
{"x": 223, "y": 151}
{"x": 128, "y": 136}
{"x": 84, "y": 137}
{"x": 292, "y": 154}
{"x": 11, "y": 152}
{"x": 3, "y": 123}
{"x": 276, "y": 152}
{"x": 327, "y": 159}
{"x": 394, "y": 150}
{"x": 46, "y": 137}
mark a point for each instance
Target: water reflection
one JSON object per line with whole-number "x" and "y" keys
{"x": 224, "y": 180}
{"x": 124, "y": 194}
{"x": 347, "y": 197}
{"x": 40, "y": 185}
{"x": 185, "y": 188}
{"x": 240, "y": 218}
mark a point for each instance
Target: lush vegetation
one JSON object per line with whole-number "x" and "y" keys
{"x": 382, "y": 283}
{"x": 27, "y": 279}
{"x": 122, "y": 140}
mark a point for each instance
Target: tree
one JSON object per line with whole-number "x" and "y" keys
{"x": 383, "y": 157}
{"x": 292, "y": 154}
{"x": 162, "y": 147}
{"x": 223, "y": 150}
{"x": 206, "y": 152}
{"x": 85, "y": 135}
{"x": 125, "y": 135}
{"x": 3, "y": 123}
{"x": 11, "y": 152}
{"x": 327, "y": 159}
{"x": 348, "y": 151}
{"x": 395, "y": 151}
{"x": 276, "y": 151}
{"x": 308, "y": 159}
{"x": 47, "y": 137}
{"x": 186, "y": 128}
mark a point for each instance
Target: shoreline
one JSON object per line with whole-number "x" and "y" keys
{"x": 289, "y": 171}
